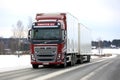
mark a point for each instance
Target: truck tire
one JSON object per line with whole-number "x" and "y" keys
{"x": 35, "y": 66}
{"x": 65, "y": 63}
{"x": 73, "y": 60}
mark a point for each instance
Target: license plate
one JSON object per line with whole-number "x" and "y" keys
{"x": 45, "y": 63}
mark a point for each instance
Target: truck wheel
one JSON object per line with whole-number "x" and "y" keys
{"x": 73, "y": 61}
{"x": 35, "y": 66}
{"x": 65, "y": 63}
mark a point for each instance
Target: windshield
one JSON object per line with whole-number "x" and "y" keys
{"x": 46, "y": 34}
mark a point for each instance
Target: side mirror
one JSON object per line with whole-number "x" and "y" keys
{"x": 29, "y": 35}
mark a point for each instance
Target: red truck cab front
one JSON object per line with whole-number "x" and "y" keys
{"x": 47, "y": 37}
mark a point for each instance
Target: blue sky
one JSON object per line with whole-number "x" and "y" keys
{"x": 101, "y": 16}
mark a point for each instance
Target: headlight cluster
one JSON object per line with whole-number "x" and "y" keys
{"x": 32, "y": 57}
{"x": 58, "y": 57}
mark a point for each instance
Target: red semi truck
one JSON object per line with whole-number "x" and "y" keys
{"x": 58, "y": 39}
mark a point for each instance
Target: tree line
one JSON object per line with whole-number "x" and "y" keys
{"x": 106, "y": 44}
{"x": 14, "y": 46}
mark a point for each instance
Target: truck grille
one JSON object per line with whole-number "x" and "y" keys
{"x": 45, "y": 53}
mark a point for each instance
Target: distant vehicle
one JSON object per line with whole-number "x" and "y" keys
{"x": 58, "y": 39}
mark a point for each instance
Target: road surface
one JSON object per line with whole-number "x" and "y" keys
{"x": 101, "y": 69}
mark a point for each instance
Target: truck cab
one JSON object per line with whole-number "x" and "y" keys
{"x": 47, "y": 38}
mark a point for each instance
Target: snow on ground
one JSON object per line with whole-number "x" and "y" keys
{"x": 106, "y": 51}
{"x": 13, "y": 62}
{"x": 112, "y": 52}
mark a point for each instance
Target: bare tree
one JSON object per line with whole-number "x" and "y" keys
{"x": 18, "y": 34}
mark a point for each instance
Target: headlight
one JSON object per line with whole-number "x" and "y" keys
{"x": 58, "y": 56}
{"x": 32, "y": 57}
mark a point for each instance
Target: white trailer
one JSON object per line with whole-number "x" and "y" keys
{"x": 78, "y": 40}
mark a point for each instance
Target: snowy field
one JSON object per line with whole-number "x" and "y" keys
{"x": 106, "y": 51}
{"x": 13, "y": 62}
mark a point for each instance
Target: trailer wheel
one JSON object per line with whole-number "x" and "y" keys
{"x": 88, "y": 58}
{"x": 81, "y": 59}
{"x": 35, "y": 66}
